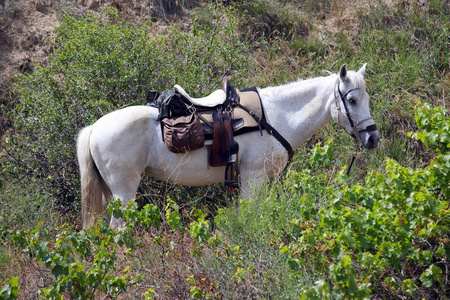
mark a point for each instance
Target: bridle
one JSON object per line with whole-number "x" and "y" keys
{"x": 354, "y": 125}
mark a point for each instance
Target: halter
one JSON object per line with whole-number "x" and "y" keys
{"x": 353, "y": 124}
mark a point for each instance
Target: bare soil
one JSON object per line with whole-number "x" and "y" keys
{"x": 25, "y": 28}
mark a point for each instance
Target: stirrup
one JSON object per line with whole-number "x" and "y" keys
{"x": 214, "y": 99}
{"x": 233, "y": 182}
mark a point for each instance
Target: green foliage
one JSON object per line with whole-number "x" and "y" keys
{"x": 407, "y": 53}
{"x": 82, "y": 263}
{"x": 10, "y": 290}
{"x": 85, "y": 264}
{"x": 272, "y": 20}
{"x": 199, "y": 288}
{"x": 397, "y": 221}
{"x": 173, "y": 216}
{"x": 435, "y": 125}
{"x": 200, "y": 229}
{"x": 15, "y": 203}
{"x": 387, "y": 236}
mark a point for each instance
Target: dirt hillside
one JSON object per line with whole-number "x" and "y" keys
{"x": 26, "y": 27}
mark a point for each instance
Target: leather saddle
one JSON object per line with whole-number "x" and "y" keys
{"x": 216, "y": 114}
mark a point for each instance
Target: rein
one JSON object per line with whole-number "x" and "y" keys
{"x": 353, "y": 124}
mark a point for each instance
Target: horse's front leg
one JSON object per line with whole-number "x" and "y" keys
{"x": 116, "y": 223}
{"x": 251, "y": 182}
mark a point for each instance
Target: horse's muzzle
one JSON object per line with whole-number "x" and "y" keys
{"x": 369, "y": 139}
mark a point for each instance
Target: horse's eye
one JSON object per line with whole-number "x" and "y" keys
{"x": 351, "y": 100}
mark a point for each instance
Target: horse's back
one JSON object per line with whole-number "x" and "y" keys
{"x": 129, "y": 116}
{"x": 127, "y": 124}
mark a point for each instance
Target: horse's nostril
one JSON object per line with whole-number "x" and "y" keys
{"x": 372, "y": 141}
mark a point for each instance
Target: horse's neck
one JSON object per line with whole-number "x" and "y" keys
{"x": 297, "y": 110}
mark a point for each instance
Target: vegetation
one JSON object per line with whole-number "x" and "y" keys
{"x": 315, "y": 233}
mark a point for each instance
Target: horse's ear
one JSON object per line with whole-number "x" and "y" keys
{"x": 362, "y": 71}
{"x": 343, "y": 73}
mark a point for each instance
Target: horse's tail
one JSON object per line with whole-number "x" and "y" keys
{"x": 92, "y": 184}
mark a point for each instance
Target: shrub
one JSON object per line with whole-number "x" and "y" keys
{"x": 388, "y": 236}
{"x": 89, "y": 263}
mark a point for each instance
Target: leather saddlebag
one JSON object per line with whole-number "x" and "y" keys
{"x": 183, "y": 133}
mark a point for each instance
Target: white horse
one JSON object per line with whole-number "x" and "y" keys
{"x": 116, "y": 150}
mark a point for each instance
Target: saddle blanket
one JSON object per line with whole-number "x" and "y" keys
{"x": 250, "y": 99}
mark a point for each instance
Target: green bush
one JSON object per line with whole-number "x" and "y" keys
{"x": 86, "y": 264}
{"x": 388, "y": 236}
{"x": 83, "y": 264}
{"x": 24, "y": 205}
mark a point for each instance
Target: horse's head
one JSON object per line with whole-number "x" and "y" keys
{"x": 351, "y": 107}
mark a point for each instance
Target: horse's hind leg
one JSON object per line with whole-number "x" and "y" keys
{"x": 122, "y": 177}
{"x": 120, "y": 146}
{"x": 123, "y": 188}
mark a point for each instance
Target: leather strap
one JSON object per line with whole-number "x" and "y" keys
{"x": 272, "y": 131}
{"x": 279, "y": 137}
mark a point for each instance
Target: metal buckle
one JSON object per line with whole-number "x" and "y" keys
{"x": 191, "y": 109}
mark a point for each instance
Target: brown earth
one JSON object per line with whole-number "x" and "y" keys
{"x": 25, "y": 26}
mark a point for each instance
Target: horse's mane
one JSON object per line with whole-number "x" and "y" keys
{"x": 291, "y": 87}
{"x": 294, "y": 85}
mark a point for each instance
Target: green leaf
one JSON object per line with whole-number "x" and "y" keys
{"x": 11, "y": 289}
{"x": 293, "y": 265}
{"x": 431, "y": 275}
{"x": 58, "y": 270}
{"x": 173, "y": 217}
